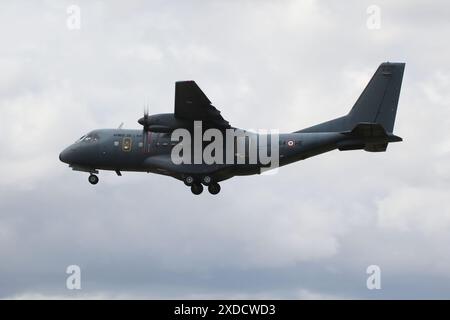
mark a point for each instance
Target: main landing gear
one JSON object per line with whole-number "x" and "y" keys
{"x": 214, "y": 188}
{"x": 93, "y": 179}
{"x": 197, "y": 186}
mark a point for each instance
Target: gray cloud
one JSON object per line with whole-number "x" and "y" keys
{"x": 309, "y": 231}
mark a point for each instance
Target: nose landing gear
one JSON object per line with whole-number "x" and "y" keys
{"x": 93, "y": 179}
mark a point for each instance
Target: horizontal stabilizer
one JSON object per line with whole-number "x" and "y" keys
{"x": 377, "y": 147}
{"x": 368, "y": 136}
{"x": 368, "y": 130}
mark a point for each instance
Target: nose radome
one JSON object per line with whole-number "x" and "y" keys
{"x": 64, "y": 156}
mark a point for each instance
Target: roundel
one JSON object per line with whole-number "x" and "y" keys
{"x": 290, "y": 143}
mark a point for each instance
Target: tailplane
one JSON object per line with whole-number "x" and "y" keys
{"x": 371, "y": 137}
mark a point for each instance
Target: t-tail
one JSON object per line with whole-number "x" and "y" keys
{"x": 370, "y": 123}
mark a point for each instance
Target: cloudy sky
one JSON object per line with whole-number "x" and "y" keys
{"x": 309, "y": 231}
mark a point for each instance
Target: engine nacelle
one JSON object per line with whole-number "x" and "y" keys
{"x": 164, "y": 122}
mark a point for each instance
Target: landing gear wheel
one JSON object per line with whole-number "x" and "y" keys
{"x": 188, "y": 181}
{"x": 197, "y": 188}
{"x": 214, "y": 188}
{"x": 206, "y": 180}
{"x": 93, "y": 179}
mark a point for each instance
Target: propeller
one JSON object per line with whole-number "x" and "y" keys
{"x": 144, "y": 121}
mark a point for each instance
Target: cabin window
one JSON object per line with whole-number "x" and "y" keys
{"x": 116, "y": 143}
{"x": 126, "y": 144}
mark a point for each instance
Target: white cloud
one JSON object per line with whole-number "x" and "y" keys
{"x": 316, "y": 225}
{"x": 416, "y": 209}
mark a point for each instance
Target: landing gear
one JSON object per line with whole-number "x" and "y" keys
{"x": 93, "y": 179}
{"x": 197, "y": 183}
{"x": 206, "y": 180}
{"x": 197, "y": 188}
{"x": 188, "y": 181}
{"x": 214, "y": 188}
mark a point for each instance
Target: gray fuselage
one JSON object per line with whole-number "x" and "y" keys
{"x": 134, "y": 150}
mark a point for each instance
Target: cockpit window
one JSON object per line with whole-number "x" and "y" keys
{"x": 90, "y": 137}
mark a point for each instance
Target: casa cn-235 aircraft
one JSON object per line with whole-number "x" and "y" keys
{"x": 368, "y": 126}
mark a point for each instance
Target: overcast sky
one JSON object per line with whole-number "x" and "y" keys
{"x": 309, "y": 231}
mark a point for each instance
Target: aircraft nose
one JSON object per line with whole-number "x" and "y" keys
{"x": 64, "y": 156}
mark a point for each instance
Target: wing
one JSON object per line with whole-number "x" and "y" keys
{"x": 192, "y": 104}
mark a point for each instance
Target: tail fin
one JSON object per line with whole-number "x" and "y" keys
{"x": 379, "y": 100}
{"x": 377, "y": 103}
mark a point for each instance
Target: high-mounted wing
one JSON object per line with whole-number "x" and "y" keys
{"x": 192, "y": 104}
